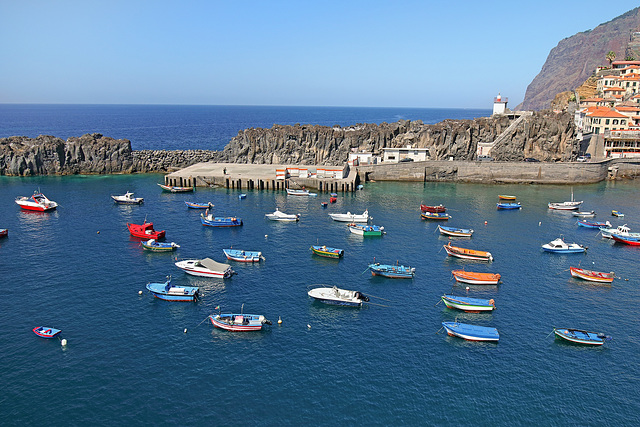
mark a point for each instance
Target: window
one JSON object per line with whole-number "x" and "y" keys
{"x": 597, "y": 131}
{"x": 615, "y": 121}
{"x": 622, "y": 122}
{"x": 606, "y": 122}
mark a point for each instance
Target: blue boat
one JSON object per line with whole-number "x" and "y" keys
{"x": 198, "y": 205}
{"x": 579, "y": 336}
{"x": 392, "y": 271}
{"x": 617, "y": 213}
{"x": 559, "y": 246}
{"x": 435, "y": 215}
{"x": 242, "y": 196}
{"x": 593, "y": 224}
{"x": 155, "y": 246}
{"x": 455, "y": 232}
{"x": 470, "y": 305}
{"x": 211, "y": 221}
{"x": 508, "y": 205}
{"x": 46, "y": 331}
{"x": 471, "y": 332}
{"x": 243, "y": 256}
{"x": 167, "y": 292}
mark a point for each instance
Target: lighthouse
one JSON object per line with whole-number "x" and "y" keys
{"x": 499, "y": 104}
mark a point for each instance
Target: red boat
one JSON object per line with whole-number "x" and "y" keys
{"x": 633, "y": 241}
{"x": 145, "y": 231}
{"x": 433, "y": 209}
{"x": 333, "y": 199}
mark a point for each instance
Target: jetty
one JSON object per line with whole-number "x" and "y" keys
{"x": 239, "y": 176}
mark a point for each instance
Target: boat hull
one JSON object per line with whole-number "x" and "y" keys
{"x": 470, "y": 305}
{"x": 473, "y": 278}
{"x": 471, "y": 332}
{"x": 327, "y": 252}
{"x": 579, "y": 337}
{"x": 189, "y": 267}
{"x": 455, "y": 232}
{"x": 242, "y": 256}
{"x": 145, "y": 231}
{"x": 221, "y": 222}
{"x": 592, "y": 276}
{"x": 508, "y": 206}
{"x": 468, "y": 253}
{"x": 174, "y": 189}
{"x": 506, "y": 197}
{"x": 366, "y": 231}
{"x": 160, "y": 247}
{"x": 433, "y": 209}
{"x": 46, "y": 332}
{"x": 392, "y": 271}
{"x": 336, "y": 296}
{"x": 437, "y": 216}
{"x": 36, "y": 207}
{"x": 253, "y": 324}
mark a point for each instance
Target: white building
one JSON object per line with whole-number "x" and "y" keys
{"x": 499, "y": 104}
{"x": 361, "y": 158}
{"x": 395, "y": 155}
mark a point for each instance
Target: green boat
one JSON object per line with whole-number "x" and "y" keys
{"x": 327, "y": 252}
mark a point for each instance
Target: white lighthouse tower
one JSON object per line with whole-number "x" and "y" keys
{"x": 499, "y": 104}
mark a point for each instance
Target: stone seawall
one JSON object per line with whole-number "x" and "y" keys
{"x": 488, "y": 172}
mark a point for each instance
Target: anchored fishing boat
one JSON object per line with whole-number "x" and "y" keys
{"x": 349, "y": 217}
{"x": 470, "y": 305}
{"x": 432, "y": 209}
{"x": 176, "y": 189}
{"x": 593, "y": 224}
{"x": 199, "y": 205}
{"x": 559, "y": 246}
{"x": 302, "y": 192}
{"x": 166, "y": 291}
{"x": 592, "y": 276}
{"x": 455, "y": 232}
{"x": 474, "y": 278}
{"x": 239, "y": 322}
{"x": 366, "y": 230}
{"x": 392, "y": 271}
{"x": 579, "y": 336}
{"x": 4, "y": 232}
{"x": 155, "y": 246}
{"x": 621, "y": 230}
{"x": 628, "y": 240}
{"x": 471, "y": 332}
{"x": 506, "y": 197}
{"x": 145, "y": 231}
{"x": 584, "y": 214}
{"x": 508, "y": 205}
{"x": 281, "y": 216}
{"x": 467, "y": 253}
{"x": 243, "y": 256}
{"x": 327, "y": 252}
{"x": 337, "y": 296}
{"x": 37, "y": 202}
{"x": 617, "y": 213}
{"x": 46, "y": 331}
{"x": 242, "y": 196}
{"x": 435, "y": 215}
{"x": 127, "y": 199}
{"x": 210, "y": 221}
{"x": 205, "y": 268}
{"x": 565, "y": 206}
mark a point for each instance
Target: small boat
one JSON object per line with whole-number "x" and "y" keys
{"x": 243, "y": 256}
{"x": 593, "y": 224}
{"x": 337, "y": 296}
{"x": 333, "y": 194}
{"x": 560, "y": 247}
{"x": 155, "y": 246}
{"x": 455, "y": 232}
{"x": 302, "y": 192}
{"x": 628, "y": 240}
{"x": 239, "y": 322}
{"x": 506, "y": 197}
{"x": 145, "y": 231}
{"x": 175, "y": 189}
{"x": 324, "y": 204}
{"x": 392, "y": 271}
{"x": 470, "y": 305}
{"x": 474, "y": 278}
{"x": 127, "y": 199}
{"x": 327, "y": 252}
{"x": 432, "y": 209}
{"x": 205, "y": 268}
{"x": 621, "y": 230}
{"x": 242, "y": 196}
{"x": 4, "y": 232}
{"x": 471, "y": 332}
{"x": 211, "y": 221}
{"x": 349, "y": 217}
{"x": 46, "y": 332}
{"x": 366, "y": 230}
{"x": 508, "y": 205}
{"x": 617, "y": 213}
{"x": 467, "y": 253}
{"x": 592, "y": 276}
{"x": 435, "y": 215}
{"x": 38, "y": 202}
{"x": 360, "y": 187}
{"x": 168, "y": 292}
{"x": 579, "y": 336}
{"x": 333, "y": 199}
{"x": 584, "y": 214}
{"x": 199, "y": 205}
{"x": 565, "y": 206}
{"x": 281, "y": 216}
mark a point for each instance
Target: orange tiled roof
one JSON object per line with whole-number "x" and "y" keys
{"x": 609, "y": 113}
{"x": 626, "y": 108}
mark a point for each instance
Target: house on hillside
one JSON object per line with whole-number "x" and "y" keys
{"x": 599, "y": 120}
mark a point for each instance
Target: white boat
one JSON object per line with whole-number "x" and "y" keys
{"x": 621, "y": 230}
{"x": 205, "y": 268}
{"x": 281, "y": 216}
{"x": 560, "y": 246}
{"x": 349, "y": 217}
{"x": 127, "y": 199}
{"x": 291, "y": 192}
{"x": 38, "y": 202}
{"x": 566, "y": 206}
{"x": 585, "y": 214}
{"x": 337, "y": 296}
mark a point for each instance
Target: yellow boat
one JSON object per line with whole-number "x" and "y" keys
{"x": 506, "y": 197}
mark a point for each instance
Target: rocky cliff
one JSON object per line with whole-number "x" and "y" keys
{"x": 575, "y": 58}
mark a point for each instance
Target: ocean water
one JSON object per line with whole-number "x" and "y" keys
{"x": 128, "y": 361}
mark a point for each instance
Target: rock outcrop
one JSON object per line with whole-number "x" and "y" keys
{"x": 575, "y": 58}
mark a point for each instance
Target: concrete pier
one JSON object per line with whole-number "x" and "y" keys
{"x": 260, "y": 177}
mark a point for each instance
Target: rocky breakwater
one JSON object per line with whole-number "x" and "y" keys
{"x": 545, "y": 135}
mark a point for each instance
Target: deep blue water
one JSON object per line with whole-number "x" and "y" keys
{"x": 179, "y": 127}
{"x": 128, "y": 361}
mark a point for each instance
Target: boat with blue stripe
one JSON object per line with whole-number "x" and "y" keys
{"x": 46, "y": 331}
{"x": 508, "y": 205}
{"x": 211, "y": 221}
{"x": 243, "y": 256}
{"x": 199, "y": 205}
{"x": 454, "y": 231}
{"x": 579, "y": 336}
{"x": 327, "y": 252}
{"x": 470, "y": 305}
{"x": 471, "y": 332}
{"x": 593, "y": 224}
{"x": 166, "y": 291}
{"x": 392, "y": 271}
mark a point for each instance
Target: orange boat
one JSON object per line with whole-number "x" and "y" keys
{"x": 473, "y": 278}
{"x": 592, "y": 276}
{"x": 506, "y": 197}
{"x": 468, "y": 253}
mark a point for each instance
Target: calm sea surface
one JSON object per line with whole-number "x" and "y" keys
{"x": 128, "y": 361}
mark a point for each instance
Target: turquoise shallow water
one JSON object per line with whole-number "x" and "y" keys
{"x": 129, "y": 362}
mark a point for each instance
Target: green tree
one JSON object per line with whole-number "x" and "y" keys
{"x": 611, "y": 56}
{"x": 629, "y": 58}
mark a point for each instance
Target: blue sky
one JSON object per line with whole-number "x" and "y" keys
{"x": 454, "y": 54}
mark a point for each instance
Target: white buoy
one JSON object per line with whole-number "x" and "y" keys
{"x": 185, "y": 330}
{"x": 308, "y": 326}
{"x": 485, "y": 223}
{"x": 266, "y": 235}
{"x": 467, "y": 288}
{"x": 63, "y": 341}
{"x": 279, "y": 321}
{"x": 139, "y": 292}
{"x": 98, "y": 232}
{"x": 539, "y": 223}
